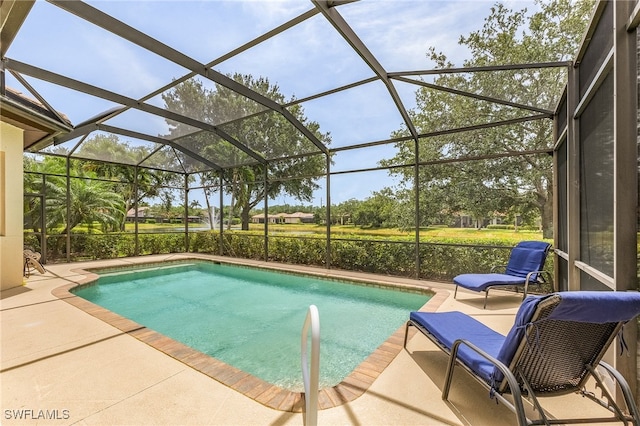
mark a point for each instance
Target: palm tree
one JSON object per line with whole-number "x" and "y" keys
{"x": 148, "y": 183}
{"x": 47, "y": 177}
{"x": 91, "y": 201}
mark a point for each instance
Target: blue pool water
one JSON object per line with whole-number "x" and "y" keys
{"x": 252, "y": 318}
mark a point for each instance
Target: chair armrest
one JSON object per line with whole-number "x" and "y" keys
{"x": 540, "y": 274}
{"x": 497, "y": 363}
{"x": 509, "y": 376}
{"x": 622, "y": 384}
{"x": 494, "y": 268}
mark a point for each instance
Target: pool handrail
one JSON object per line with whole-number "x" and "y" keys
{"x": 311, "y": 374}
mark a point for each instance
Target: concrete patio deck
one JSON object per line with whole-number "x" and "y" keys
{"x": 61, "y": 365}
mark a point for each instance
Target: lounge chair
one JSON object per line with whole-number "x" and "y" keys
{"x": 554, "y": 347}
{"x": 526, "y": 266}
{"x": 31, "y": 261}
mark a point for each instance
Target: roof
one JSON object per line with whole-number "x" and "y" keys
{"x": 39, "y": 123}
{"x": 284, "y": 215}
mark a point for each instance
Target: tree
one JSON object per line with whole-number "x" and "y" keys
{"x": 377, "y": 211}
{"x": 53, "y": 169}
{"x": 267, "y": 133}
{"x": 494, "y": 183}
{"x": 150, "y": 183}
{"x": 343, "y": 213}
{"x": 91, "y": 201}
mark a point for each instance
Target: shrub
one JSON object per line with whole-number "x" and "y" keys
{"x": 503, "y": 226}
{"x": 204, "y": 242}
{"x": 32, "y": 240}
{"x": 299, "y": 250}
{"x": 440, "y": 258}
{"x": 161, "y": 243}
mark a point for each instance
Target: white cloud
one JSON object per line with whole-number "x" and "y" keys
{"x": 400, "y": 33}
{"x": 274, "y": 11}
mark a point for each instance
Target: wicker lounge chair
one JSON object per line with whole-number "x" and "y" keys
{"x": 31, "y": 262}
{"x": 526, "y": 266}
{"x": 555, "y": 345}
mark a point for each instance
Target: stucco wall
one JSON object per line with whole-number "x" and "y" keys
{"x": 11, "y": 238}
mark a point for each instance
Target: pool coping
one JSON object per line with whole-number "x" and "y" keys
{"x": 267, "y": 394}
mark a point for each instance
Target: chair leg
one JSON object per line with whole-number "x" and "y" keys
{"x": 455, "y": 293}
{"x": 406, "y": 334}
{"x": 449, "y": 374}
{"x": 486, "y": 294}
{"x": 533, "y": 399}
{"x": 629, "y": 400}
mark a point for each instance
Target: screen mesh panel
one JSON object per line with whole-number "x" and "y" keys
{"x": 596, "y": 178}
{"x": 562, "y": 196}
{"x": 561, "y": 121}
{"x": 599, "y": 46}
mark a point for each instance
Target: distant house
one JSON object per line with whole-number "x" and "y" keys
{"x": 297, "y": 217}
{"x": 273, "y": 218}
{"x": 463, "y": 220}
{"x": 142, "y": 214}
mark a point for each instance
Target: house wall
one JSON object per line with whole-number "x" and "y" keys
{"x": 11, "y": 204}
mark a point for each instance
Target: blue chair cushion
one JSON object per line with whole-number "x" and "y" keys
{"x": 580, "y": 306}
{"x": 597, "y": 306}
{"x": 524, "y": 260}
{"x": 526, "y": 257}
{"x": 517, "y": 332}
{"x": 480, "y": 282}
{"x": 447, "y": 327}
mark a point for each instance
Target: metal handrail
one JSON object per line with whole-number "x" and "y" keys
{"x": 311, "y": 374}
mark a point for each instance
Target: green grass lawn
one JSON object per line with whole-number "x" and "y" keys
{"x": 435, "y": 234}
{"x": 481, "y": 234}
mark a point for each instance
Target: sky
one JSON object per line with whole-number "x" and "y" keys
{"x": 305, "y": 60}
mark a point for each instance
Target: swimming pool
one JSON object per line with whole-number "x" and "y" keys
{"x": 251, "y": 318}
